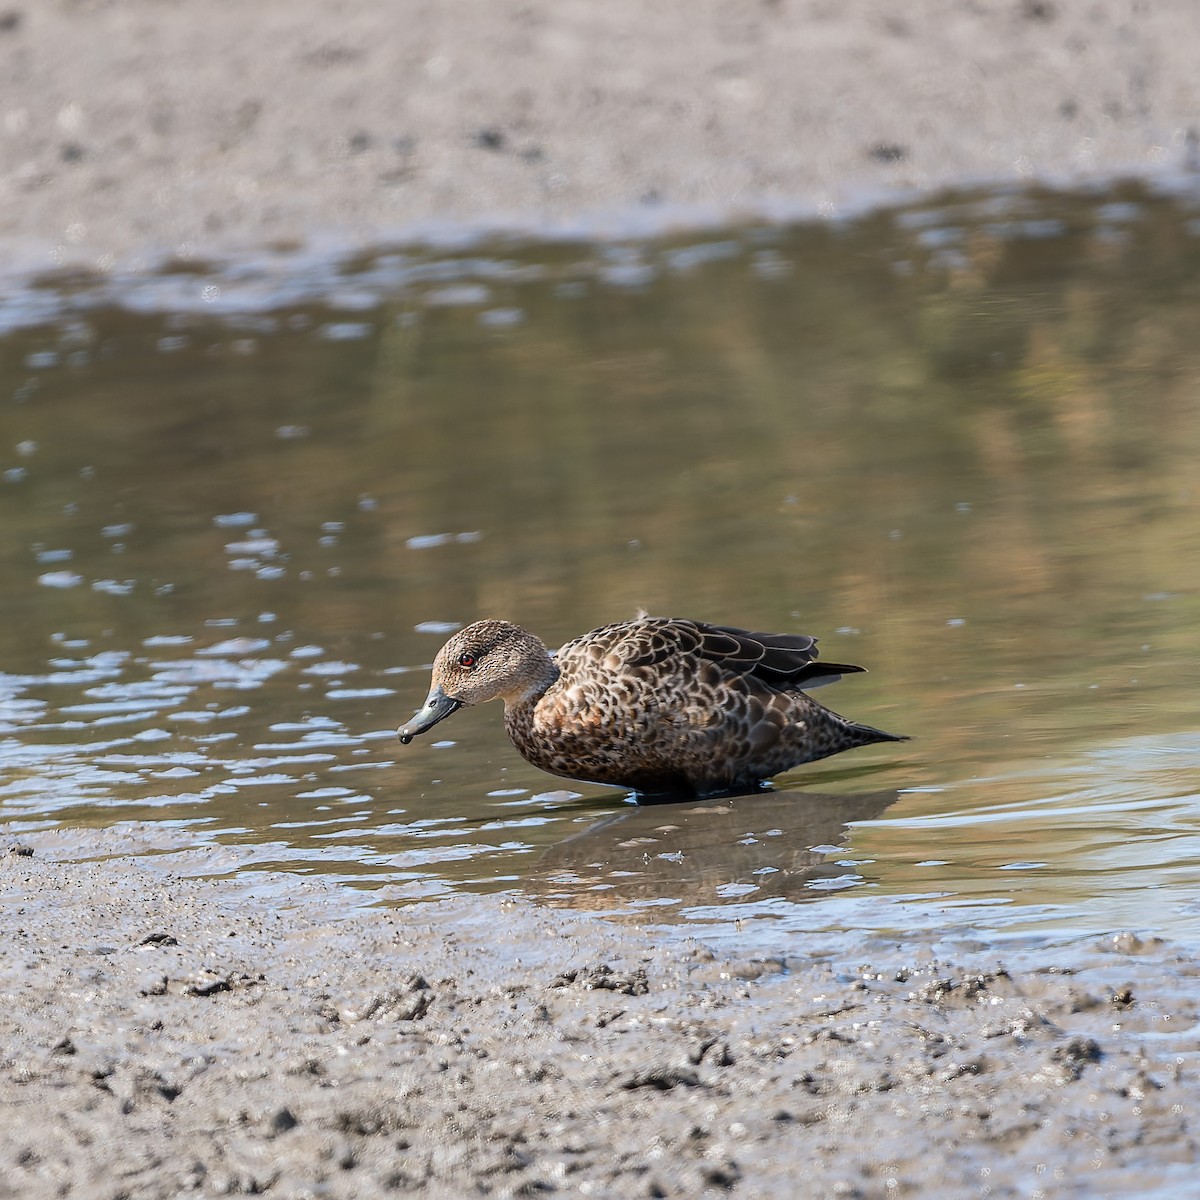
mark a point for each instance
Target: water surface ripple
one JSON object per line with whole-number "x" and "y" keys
{"x": 957, "y": 442}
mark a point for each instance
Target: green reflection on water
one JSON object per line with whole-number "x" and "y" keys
{"x": 958, "y": 443}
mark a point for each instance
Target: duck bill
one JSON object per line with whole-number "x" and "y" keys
{"x": 436, "y": 708}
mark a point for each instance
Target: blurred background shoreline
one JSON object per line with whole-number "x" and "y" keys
{"x": 133, "y": 131}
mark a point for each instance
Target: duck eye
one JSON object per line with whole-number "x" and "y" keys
{"x": 466, "y": 660}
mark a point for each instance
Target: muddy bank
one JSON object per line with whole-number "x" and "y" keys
{"x": 131, "y": 130}
{"x": 164, "y": 1035}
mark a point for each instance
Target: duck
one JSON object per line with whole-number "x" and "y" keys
{"x": 657, "y": 705}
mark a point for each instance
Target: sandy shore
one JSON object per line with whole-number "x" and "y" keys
{"x": 167, "y": 1035}
{"x": 133, "y": 129}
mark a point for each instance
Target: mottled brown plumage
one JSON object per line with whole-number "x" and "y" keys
{"x": 658, "y": 704}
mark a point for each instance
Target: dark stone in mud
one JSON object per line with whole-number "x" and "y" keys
{"x": 157, "y": 939}
{"x": 208, "y": 986}
{"x": 603, "y": 977}
{"x": 723, "y": 1175}
{"x": 1039, "y": 10}
{"x": 283, "y": 1120}
{"x": 489, "y": 139}
{"x": 965, "y": 989}
{"x": 713, "y": 1053}
{"x": 1076, "y": 1055}
{"x": 661, "y": 1079}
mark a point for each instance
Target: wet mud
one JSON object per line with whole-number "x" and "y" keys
{"x": 167, "y": 1034}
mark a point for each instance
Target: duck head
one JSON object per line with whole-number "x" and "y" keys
{"x": 486, "y": 661}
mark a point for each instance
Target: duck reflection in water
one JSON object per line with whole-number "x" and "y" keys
{"x": 774, "y": 846}
{"x": 660, "y": 705}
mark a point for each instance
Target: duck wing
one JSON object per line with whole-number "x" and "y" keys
{"x": 784, "y": 661}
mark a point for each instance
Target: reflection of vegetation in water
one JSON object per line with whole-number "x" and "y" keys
{"x": 982, "y": 412}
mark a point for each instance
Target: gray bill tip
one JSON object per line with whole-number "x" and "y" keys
{"x": 436, "y": 708}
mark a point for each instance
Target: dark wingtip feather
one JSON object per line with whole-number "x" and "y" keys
{"x": 870, "y": 734}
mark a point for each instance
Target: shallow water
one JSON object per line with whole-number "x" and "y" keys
{"x": 244, "y": 504}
